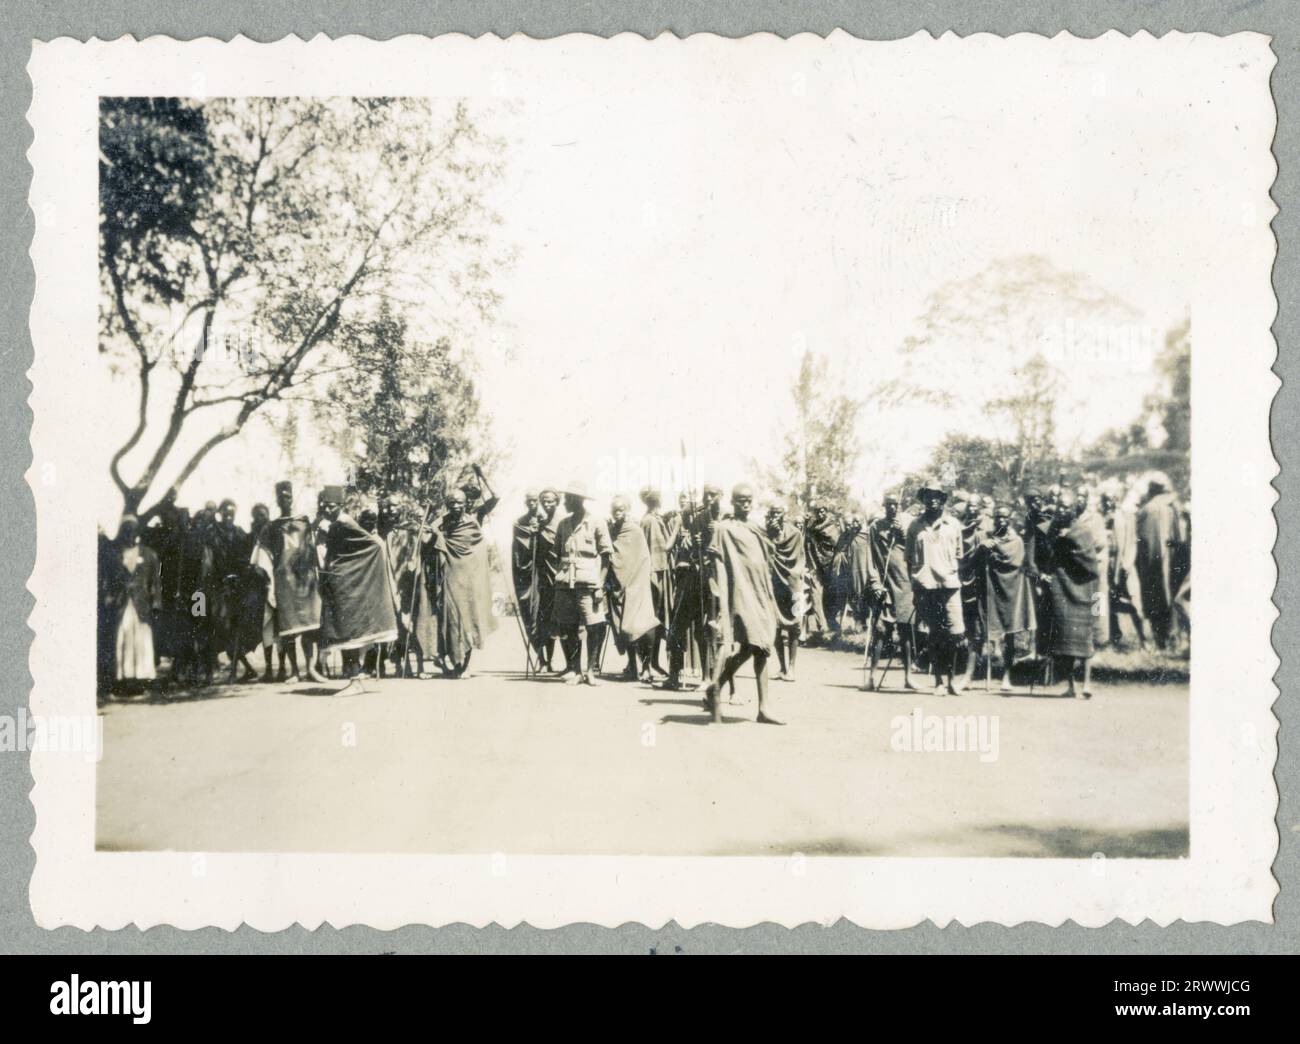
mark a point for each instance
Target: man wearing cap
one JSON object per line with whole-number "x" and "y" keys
{"x": 741, "y": 568}
{"x": 693, "y": 602}
{"x": 659, "y": 531}
{"x": 291, "y": 540}
{"x": 934, "y": 555}
{"x": 577, "y": 615}
{"x": 893, "y": 587}
{"x": 786, "y": 543}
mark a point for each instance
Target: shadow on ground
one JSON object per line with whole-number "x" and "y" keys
{"x": 1073, "y": 843}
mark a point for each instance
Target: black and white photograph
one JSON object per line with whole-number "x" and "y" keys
{"x": 531, "y": 452}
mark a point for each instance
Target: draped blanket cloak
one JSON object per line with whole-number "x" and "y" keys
{"x": 356, "y": 588}
{"x": 464, "y": 587}
{"x": 889, "y": 561}
{"x": 297, "y": 584}
{"x": 521, "y": 564}
{"x": 660, "y": 533}
{"x": 1159, "y": 524}
{"x": 742, "y": 581}
{"x": 1071, "y": 591}
{"x": 856, "y": 569}
{"x": 1006, "y": 598}
{"x": 1124, "y": 586}
{"x": 820, "y": 543}
{"x": 415, "y": 615}
{"x": 631, "y": 606}
{"x": 787, "y": 553}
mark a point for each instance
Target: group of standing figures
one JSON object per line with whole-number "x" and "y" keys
{"x": 330, "y": 594}
{"x": 935, "y": 586}
{"x": 956, "y": 577}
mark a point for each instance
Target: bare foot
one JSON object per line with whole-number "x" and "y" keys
{"x": 767, "y": 719}
{"x": 712, "y": 703}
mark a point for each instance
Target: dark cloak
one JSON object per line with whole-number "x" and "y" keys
{"x": 465, "y": 617}
{"x": 1072, "y": 586}
{"x": 1159, "y": 525}
{"x": 820, "y": 542}
{"x": 889, "y": 561}
{"x": 1006, "y": 598}
{"x": 787, "y": 557}
{"x": 357, "y": 598}
{"x": 742, "y": 582}
{"x": 631, "y": 605}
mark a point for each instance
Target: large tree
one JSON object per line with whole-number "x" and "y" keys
{"x": 245, "y": 245}
{"x": 408, "y": 419}
{"x": 981, "y": 336}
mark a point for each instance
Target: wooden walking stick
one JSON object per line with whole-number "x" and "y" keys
{"x": 875, "y": 617}
{"x": 416, "y": 581}
{"x": 518, "y": 614}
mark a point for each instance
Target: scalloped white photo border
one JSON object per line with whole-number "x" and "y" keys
{"x": 1232, "y": 742}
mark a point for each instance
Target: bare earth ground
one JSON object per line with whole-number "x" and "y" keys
{"x": 496, "y": 763}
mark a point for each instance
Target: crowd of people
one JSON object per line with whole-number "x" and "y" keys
{"x": 939, "y": 583}
{"x": 943, "y": 582}
{"x": 346, "y": 592}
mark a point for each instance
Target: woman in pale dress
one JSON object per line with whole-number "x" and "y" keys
{"x": 133, "y": 594}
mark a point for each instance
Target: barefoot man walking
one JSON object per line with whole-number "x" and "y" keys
{"x": 741, "y": 576}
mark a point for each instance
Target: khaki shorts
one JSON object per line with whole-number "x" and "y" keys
{"x": 573, "y": 607}
{"x": 939, "y": 609}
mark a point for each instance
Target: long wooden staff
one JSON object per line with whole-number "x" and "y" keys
{"x": 415, "y": 583}
{"x": 518, "y": 613}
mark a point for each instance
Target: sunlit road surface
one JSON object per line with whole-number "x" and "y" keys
{"x": 497, "y": 763}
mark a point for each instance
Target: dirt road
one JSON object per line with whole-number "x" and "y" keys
{"x": 497, "y": 763}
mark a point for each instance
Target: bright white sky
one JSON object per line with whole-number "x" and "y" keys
{"x": 686, "y": 226}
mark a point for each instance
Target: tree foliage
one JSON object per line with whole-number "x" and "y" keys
{"x": 245, "y": 245}
{"x": 408, "y": 418}
{"x": 821, "y": 449}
